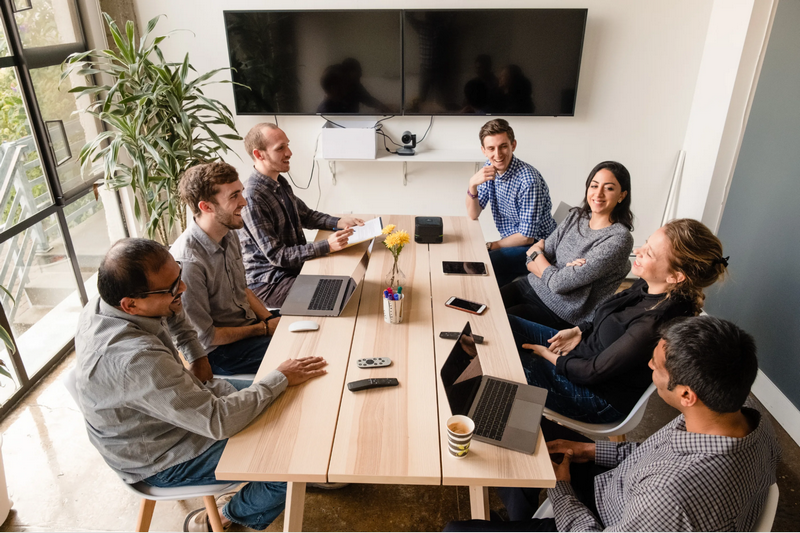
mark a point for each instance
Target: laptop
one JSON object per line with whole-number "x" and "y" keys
{"x": 506, "y": 413}
{"x": 323, "y": 295}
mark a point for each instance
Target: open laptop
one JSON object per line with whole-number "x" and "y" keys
{"x": 323, "y": 295}
{"x": 506, "y": 413}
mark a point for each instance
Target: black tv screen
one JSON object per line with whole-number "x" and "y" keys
{"x": 310, "y": 62}
{"x": 498, "y": 61}
{"x": 429, "y": 62}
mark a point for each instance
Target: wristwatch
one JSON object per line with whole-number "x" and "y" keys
{"x": 532, "y": 256}
{"x": 489, "y": 245}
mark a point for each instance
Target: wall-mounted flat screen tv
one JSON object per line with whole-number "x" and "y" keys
{"x": 316, "y": 62}
{"x": 492, "y": 62}
{"x": 382, "y": 62}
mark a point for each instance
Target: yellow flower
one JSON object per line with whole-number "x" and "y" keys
{"x": 396, "y": 239}
{"x": 388, "y": 229}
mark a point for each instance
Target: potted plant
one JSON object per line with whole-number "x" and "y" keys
{"x": 156, "y": 116}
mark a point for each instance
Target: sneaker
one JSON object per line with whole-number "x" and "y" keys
{"x": 197, "y": 520}
{"x": 328, "y": 486}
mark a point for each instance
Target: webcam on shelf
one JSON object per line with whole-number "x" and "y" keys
{"x": 409, "y": 141}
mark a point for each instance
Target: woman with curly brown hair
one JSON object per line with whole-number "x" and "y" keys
{"x": 596, "y": 371}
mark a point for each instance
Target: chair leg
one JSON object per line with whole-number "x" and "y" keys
{"x": 617, "y": 438}
{"x": 213, "y": 513}
{"x": 145, "y": 514}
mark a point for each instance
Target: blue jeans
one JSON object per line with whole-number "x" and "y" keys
{"x": 509, "y": 264}
{"x": 255, "y": 506}
{"x": 240, "y": 357}
{"x": 564, "y": 397}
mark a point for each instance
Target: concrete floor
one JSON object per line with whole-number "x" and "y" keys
{"x": 58, "y": 482}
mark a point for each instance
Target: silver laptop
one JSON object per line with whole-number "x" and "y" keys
{"x": 506, "y": 413}
{"x": 323, "y": 295}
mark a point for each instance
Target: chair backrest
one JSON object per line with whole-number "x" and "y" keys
{"x": 70, "y": 382}
{"x": 637, "y": 413}
{"x": 764, "y": 522}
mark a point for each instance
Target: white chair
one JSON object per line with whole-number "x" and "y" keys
{"x": 615, "y": 429}
{"x": 150, "y": 495}
{"x": 763, "y": 524}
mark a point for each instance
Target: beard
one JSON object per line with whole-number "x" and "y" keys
{"x": 229, "y": 220}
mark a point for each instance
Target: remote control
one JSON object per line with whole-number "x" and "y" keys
{"x": 372, "y": 383}
{"x": 454, "y": 335}
{"x": 374, "y": 362}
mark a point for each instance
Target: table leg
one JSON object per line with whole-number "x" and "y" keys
{"x": 479, "y": 502}
{"x": 295, "y": 503}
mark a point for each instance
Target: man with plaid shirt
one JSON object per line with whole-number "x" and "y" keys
{"x": 519, "y": 198}
{"x": 710, "y": 469}
{"x": 274, "y": 247}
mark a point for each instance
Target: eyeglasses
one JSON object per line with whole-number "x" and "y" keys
{"x": 174, "y": 288}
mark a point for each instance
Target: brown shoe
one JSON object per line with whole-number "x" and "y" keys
{"x": 197, "y": 520}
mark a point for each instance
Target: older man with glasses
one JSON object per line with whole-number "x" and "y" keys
{"x": 149, "y": 417}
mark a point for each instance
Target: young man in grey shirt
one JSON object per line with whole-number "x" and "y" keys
{"x": 149, "y": 417}
{"x": 231, "y": 322}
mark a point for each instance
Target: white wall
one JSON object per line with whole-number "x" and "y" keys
{"x": 638, "y": 76}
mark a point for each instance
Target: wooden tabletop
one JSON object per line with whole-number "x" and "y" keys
{"x": 320, "y": 431}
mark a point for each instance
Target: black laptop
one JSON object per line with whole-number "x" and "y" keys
{"x": 323, "y": 295}
{"x": 506, "y": 413}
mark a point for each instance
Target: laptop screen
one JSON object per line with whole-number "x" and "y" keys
{"x": 461, "y": 373}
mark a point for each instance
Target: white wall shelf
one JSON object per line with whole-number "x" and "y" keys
{"x": 422, "y": 156}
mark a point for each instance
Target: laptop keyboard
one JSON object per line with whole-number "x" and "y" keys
{"x": 325, "y": 295}
{"x": 491, "y": 414}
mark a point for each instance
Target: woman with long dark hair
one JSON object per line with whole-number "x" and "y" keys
{"x": 584, "y": 261}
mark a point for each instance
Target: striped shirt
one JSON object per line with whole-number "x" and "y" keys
{"x": 144, "y": 411}
{"x": 520, "y": 201}
{"x": 272, "y": 240}
{"x": 677, "y": 481}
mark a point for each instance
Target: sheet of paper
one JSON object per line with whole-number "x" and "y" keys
{"x": 370, "y": 230}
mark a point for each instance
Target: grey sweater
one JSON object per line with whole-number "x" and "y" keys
{"x": 573, "y": 293}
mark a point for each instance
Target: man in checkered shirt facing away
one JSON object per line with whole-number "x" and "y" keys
{"x": 519, "y": 198}
{"x": 710, "y": 469}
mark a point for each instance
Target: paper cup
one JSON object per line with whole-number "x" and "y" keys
{"x": 392, "y": 311}
{"x": 459, "y": 434}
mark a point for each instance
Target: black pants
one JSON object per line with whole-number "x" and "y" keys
{"x": 522, "y": 503}
{"x": 521, "y": 300}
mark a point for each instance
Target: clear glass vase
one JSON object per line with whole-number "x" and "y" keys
{"x": 394, "y": 278}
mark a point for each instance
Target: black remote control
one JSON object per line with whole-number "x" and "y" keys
{"x": 454, "y": 335}
{"x": 372, "y": 383}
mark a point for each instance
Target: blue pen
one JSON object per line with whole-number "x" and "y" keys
{"x": 396, "y": 297}
{"x": 385, "y": 294}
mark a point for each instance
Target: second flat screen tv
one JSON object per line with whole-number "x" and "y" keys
{"x": 498, "y": 61}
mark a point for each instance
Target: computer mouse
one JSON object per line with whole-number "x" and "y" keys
{"x": 303, "y": 325}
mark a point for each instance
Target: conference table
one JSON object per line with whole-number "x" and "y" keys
{"x": 321, "y": 432}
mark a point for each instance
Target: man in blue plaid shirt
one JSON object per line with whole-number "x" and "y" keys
{"x": 519, "y": 198}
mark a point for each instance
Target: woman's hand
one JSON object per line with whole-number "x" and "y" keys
{"x": 542, "y": 352}
{"x": 537, "y": 246}
{"x": 565, "y": 340}
{"x": 577, "y": 263}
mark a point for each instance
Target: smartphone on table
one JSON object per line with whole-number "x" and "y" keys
{"x": 465, "y": 305}
{"x": 464, "y": 268}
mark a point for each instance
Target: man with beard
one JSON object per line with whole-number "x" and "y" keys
{"x": 232, "y": 324}
{"x": 274, "y": 247}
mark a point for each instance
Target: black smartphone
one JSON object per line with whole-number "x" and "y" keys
{"x": 464, "y": 268}
{"x": 465, "y": 305}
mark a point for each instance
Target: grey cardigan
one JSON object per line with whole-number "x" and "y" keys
{"x": 573, "y": 293}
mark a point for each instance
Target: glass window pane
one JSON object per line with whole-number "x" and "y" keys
{"x": 94, "y": 223}
{"x": 3, "y": 43}
{"x": 23, "y": 188}
{"x": 47, "y": 23}
{"x": 35, "y": 268}
{"x": 58, "y": 104}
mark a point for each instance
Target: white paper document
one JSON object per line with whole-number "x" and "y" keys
{"x": 370, "y": 230}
